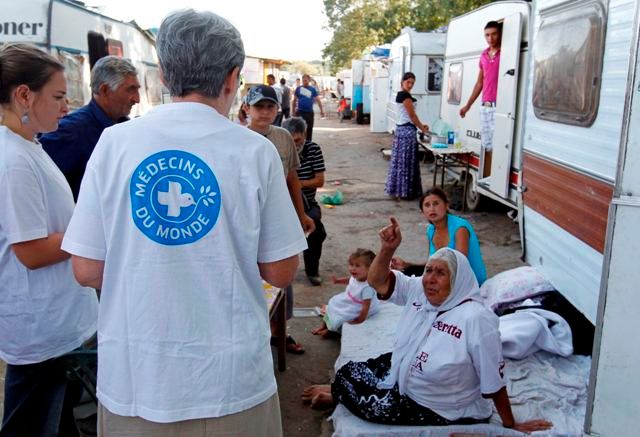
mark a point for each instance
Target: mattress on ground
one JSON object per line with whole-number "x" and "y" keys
{"x": 541, "y": 386}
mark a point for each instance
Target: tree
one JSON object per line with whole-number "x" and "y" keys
{"x": 350, "y": 34}
{"x": 360, "y": 24}
{"x": 303, "y": 67}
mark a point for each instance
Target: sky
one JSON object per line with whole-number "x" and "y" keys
{"x": 286, "y": 29}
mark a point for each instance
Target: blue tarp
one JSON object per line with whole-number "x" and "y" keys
{"x": 382, "y": 52}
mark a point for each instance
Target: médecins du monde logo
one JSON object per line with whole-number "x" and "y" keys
{"x": 175, "y": 197}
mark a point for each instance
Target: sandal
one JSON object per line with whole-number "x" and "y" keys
{"x": 291, "y": 345}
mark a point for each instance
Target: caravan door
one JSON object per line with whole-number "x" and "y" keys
{"x": 506, "y": 105}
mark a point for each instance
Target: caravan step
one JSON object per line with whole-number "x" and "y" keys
{"x": 485, "y": 183}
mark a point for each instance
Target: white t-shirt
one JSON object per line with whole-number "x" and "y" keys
{"x": 44, "y": 313}
{"x": 182, "y": 204}
{"x": 460, "y": 360}
{"x": 346, "y": 306}
{"x": 278, "y": 89}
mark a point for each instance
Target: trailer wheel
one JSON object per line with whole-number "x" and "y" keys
{"x": 473, "y": 199}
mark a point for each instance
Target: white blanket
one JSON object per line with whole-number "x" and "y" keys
{"x": 527, "y": 331}
{"x": 541, "y": 386}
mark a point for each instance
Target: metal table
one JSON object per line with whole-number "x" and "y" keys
{"x": 450, "y": 157}
{"x": 277, "y": 304}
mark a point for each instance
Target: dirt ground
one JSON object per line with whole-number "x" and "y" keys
{"x": 356, "y": 167}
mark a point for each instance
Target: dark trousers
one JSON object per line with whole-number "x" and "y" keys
{"x": 308, "y": 117}
{"x": 314, "y": 242}
{"x": 39, "y": 401}
{"x": 356, "y": 388}
{"x": 286, "y": 113}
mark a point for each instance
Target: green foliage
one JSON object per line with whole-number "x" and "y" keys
{"x": 303, "y": 67}
{"x": 359, "y": 24}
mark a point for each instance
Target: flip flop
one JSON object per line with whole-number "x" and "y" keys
{"x": 294, "y": 347}
{"x": 291, "y": 345}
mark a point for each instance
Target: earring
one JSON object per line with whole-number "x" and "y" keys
{"x": 25, "y": 118}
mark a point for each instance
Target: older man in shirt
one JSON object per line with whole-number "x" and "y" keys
{"x": 114, "y": 88}
{"x": 487, "y": 83}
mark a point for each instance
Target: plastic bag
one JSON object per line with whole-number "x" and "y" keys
{"x": 332, "y": 199}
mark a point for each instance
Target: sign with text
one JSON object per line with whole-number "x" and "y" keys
{"x": 24, "y": 21}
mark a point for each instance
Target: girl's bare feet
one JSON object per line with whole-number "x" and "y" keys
{"x": 321, "y": 330}
{"x": 322, "y": 401}
{"x": 313, "y": 390}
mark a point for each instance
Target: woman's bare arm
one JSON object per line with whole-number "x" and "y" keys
{"x": 379, "y": 272}
{"x": 503, "y": 406}
{"x": 462, "y": 241}
{"x": 42, "y": 252}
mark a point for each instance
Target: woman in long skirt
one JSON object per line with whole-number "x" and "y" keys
{"x": 403, "y": 180}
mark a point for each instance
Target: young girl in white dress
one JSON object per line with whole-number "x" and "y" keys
{"x": 357, "y": 302}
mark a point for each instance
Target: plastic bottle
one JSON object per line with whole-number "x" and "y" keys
{"x": 457, "y": 141}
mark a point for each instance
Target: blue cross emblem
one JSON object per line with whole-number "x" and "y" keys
{"x": 175, "y": 197}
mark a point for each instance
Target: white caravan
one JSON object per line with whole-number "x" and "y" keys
{"x": 422, "y": 54}
{"x": 361, "y": 85}
{"x": 576, "y": 91}
{"x": 345, "y": 75}
{"x": 78, "y": 37}
{"x": 561, "y": 94}
{"x": 613, "y": 401}
{"x": 568, "y": 128}
{"x": 579, "y": 186}
{"x": 465, "y": 43}
{"x": 379, "y": 96}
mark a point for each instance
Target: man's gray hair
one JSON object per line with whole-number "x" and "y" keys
{"x": 197, "y": 51}
{"x": 295, "y": 125}
{"x": 112, "y": 71}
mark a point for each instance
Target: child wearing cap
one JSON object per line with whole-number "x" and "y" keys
{"x": 263, "y": 109}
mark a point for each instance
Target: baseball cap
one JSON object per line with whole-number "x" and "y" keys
{"x": 261, "y": 92}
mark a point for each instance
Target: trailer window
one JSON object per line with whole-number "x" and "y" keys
{"x": 74, "y": 73}
{"x": 454, "y": 83}
{"x": 434, "y": 75}
{"x": 568, "y": 54}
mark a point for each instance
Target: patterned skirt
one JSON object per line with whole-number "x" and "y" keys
{"x": 403, "y": 179}
{"x": 356, "y": 387}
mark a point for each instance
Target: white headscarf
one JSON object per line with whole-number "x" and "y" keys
{"x": 413, "y": 334}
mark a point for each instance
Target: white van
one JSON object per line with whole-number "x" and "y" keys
{"x": 78, "y": 37}
{"x": 422, "y": 54}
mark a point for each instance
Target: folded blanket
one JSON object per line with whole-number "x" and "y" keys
{"x": 530, "y": 330}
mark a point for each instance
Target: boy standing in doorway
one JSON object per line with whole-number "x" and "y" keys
{"x": 487, "y": 84}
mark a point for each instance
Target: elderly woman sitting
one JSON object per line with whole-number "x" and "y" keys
{"x": 447, "y": 357}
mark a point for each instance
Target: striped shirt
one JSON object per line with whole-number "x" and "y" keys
{"x": 311, "y": 163}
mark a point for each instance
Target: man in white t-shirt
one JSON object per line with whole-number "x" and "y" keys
{"x": 180, "y": 214}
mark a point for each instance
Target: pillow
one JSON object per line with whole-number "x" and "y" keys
{"x": 514, "y": 285}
